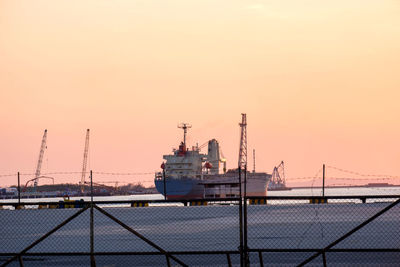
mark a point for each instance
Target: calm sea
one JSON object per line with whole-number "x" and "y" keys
{"x": 351, "y": 191}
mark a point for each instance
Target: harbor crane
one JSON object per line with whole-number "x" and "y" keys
{"x": 40, "y": 160}
{"x": 278, "y": 176}
{"x": 85, "y": 157}
{"x": 36, "y": 179}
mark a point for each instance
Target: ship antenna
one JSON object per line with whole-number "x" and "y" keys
{"x": 184, "y": 126}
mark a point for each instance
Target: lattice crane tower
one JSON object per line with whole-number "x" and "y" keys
{"x": 85, "y": 156}
{"x": 40, "y": 160}
{"x": 243, "y": 143}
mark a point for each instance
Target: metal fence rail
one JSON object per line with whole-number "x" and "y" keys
{"x": 269, "y": 200}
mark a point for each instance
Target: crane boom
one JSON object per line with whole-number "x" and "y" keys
{"x": 40, "y": 160}
{"x": 85, "y": 156}
{"x": 278, "y": 175}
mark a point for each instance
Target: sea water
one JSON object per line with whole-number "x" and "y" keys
{"x": 348, "y": 191}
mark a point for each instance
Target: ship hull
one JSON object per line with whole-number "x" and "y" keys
{"x": 213, "y": 186}
{"x": 185, "y": 188}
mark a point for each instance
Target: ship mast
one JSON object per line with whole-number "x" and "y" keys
{"x": 184, "y": 126}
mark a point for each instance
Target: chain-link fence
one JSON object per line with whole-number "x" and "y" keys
{"x": 154, "y": 233}
{"x": 276, "y": 231}
{"x": 339, "y": 231}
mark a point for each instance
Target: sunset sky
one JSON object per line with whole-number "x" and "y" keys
{"x": 319, "y": 81}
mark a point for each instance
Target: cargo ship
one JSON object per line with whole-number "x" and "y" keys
{"x": 190, "y": 174}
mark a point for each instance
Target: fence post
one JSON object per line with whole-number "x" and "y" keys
{"x": 228, "y": 257}
{"x": 21, "y": 262}
{"x": 323, "y": 180}
{"x": 245, "y": 248}
{"x": 240, "y": 218}
{"x": 260, "y": 257}
{"x": 19, "y": 191}
{"x": 92, "y": 259}
{"x": 165, "y": 184}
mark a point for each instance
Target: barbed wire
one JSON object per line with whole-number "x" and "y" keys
{"x": 148, "y": 173}
{"x": 357, "y": 179}
{"x": 124, "y": 173}
{"x": 47, "y": 173}
{"x": 360, "y": 174}
{"x": 79, "y": 172}
{"x": 381, "y": 176}
{"x": 300, "y": 178}
{"x": 55, "y": 173}
{"x": 5, "y": 175}
{"x": 338, "y": 178}
{"x": 390, "y": 189}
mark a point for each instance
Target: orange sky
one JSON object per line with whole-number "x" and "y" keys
{"x": 319, "y": 80}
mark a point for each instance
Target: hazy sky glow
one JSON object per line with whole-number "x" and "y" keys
{"x": 319, "y": 80}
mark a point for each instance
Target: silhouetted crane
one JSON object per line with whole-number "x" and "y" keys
{"x": 40, "y": 160}
{"x": 85, "y": 157}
